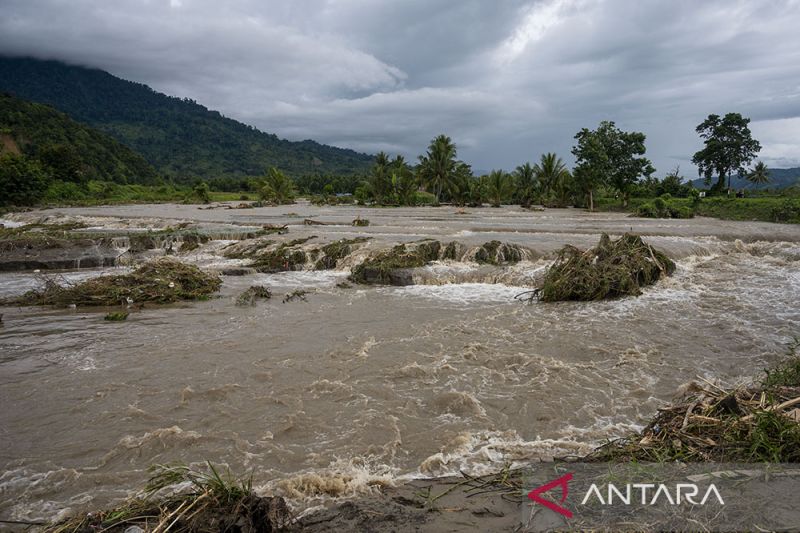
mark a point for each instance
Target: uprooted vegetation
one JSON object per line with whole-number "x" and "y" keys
{"x": 161, "y": 281}
{"x": 253, "y": 293}
{"x": 268, "y": 256}
{"x": 209, "y": 501}
{"x": 336, "y": 251}
{"x": 380, "y": 268}
{"x": 609, "y": 270}
{"x": 499, "y": 253}
{"x": 759, "y": 422}
{"x": 391, "y": 266}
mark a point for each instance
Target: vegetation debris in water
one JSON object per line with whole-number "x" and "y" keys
{"x": 498, "y": 253}
{"x": 336, "y": 251}
{"x": 759, "y": 422}
{"x": 162, "y": 281}
{"x": 295, "y": 296}
{"x": 253, "y": 293}
{"x": 116, "y": 316}
{"x": 379, "y": 268}
{"x": 611, "y": 269}
{"x": 209, "y": 502}
{"x": 360, "y": 222}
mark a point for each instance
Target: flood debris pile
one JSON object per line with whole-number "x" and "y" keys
{"x": 268, "y": 256}
{"x": 609, "y": 270}
{"x": 759, "y": 422}
{"x": 499, "y": 253}
{"x": 208, "y": 502}
{"x": 384, "y": 267}
{"x": 161, "y": 281}
{"x": 332, "y": 253}
{"x": 253, "y": 293}
{"x": 360, "y": 222}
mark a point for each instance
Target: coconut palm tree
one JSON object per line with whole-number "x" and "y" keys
{"x": 527, "y": 184}
{"x": 499, "y": 187}
{"x": 404, "y": 182}
{"x": 380, "y": 179}
{"x": 759, "y": 175}
{"x": 437, "y": 168}
{"x": 549, "y": 171}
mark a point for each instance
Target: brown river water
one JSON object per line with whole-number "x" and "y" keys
{"x": 365, "y": 386}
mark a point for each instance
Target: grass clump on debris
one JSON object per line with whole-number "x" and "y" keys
{"x": 609, "y": 270}
{"x": 378, "y": 268}
{"x": 757, "y": 422}
{"x": 181, "y": 499}
{"x": 162, "y": 281}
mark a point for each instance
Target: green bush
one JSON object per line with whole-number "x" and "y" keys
{"x": 647, "y": 210}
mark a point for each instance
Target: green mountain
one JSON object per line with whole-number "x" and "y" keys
{"x": 66, "y": 149}
{"x": 179, "y": 137}
{"x": 779, "y": 178}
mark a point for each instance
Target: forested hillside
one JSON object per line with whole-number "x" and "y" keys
{"x": 65, "y": 149}
{"x": 180, "y": 137}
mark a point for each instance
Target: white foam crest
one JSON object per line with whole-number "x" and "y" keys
{"x": 301, "y": 278}
{"x": 343, "y": 478}
{"x": 485, "y": 452}
{"x": 461, "y": 294}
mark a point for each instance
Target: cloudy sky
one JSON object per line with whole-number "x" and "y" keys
{"x": 506, "y": 79}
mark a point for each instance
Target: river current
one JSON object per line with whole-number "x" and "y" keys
{"x": 363, "y": 386}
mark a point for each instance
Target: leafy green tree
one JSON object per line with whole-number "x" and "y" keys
{"x": 608, "y": 156}
{"x": 276, "y": 187}
{"x": 760, "y": 174}
{"x": 63, "y": 161}
{"x": 499, "y": 187}
{"x": 22, "y": 180}
{"x": 549, "y": 172}
{"x": 437, "y": 168}
{"x": 729, "y": 147}
{"x": 527, "y": 184}
{"x": 672, "y": 184}
{"x": 202, "y": 192}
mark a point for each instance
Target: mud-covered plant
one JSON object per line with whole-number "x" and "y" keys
{"x": 609, "y": 270}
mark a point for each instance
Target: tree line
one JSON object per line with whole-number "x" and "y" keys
{"x": 606, "y": 158}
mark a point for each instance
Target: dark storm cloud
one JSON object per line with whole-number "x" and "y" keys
{"x": 507, "y": 80}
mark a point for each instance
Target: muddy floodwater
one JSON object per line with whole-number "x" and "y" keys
{"x": 363, "y": 386}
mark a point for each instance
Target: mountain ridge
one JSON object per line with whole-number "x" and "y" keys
{"x": 181, "y": 138}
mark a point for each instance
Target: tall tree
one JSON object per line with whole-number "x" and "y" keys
{"x": 498, "y": 187}
{"x": 404, "y": 182}
{"x": 610, "y": 156}
{"x": 549, "y": 171}
{"x": 527, "y": 184}
{"x": 729, "y": 147}
{"x": 437, "y": 168}
{"x": 276, "y": 187}
{"x": 760, "y": 174}
{"x": 380, "y": 179}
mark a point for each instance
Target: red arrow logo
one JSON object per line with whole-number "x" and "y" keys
{"x": 562, "y": 482}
